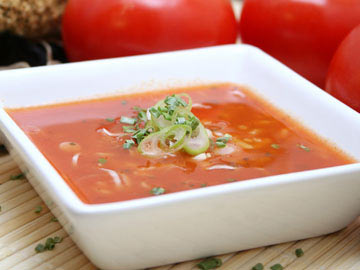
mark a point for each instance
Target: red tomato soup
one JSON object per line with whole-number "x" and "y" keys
{"x": 85, "y": 142}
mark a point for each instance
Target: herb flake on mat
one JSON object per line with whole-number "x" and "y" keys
{"x": 258, "y": 266}
{"x": 50, "y": 244}
{"x": 277, "y": 267}
{"x": 54, "y": 219}
{"x": 209, "y": 263}
{"x": 299, "y": 252}
{"x": 19, "y": 176}
{"x": 38, "y": 209}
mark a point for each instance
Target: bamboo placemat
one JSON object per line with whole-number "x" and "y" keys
{"x": 22, "y": 229}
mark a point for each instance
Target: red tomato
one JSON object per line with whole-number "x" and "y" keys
{"x": 343, "y": 81}
{"x": 94, "y": 29}
{"x": 303, "y": 34}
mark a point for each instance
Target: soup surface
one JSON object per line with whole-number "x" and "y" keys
{"x": 84, "y": 141}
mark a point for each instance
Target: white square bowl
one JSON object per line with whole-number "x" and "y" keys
{"x": 203, "y": 222}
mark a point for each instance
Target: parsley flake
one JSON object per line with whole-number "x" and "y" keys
{"x": 209, "y": 263}
{"x": 258, "y": 266}
{"x": 222, "y": 141}
{"x": 128, "y": 129}
{"x": 102, "y": 160}
{"x": 49, "y": 244}
{"x": 128, "y": 144}
{"x": 275, "y": 146}
{"x": 299, "y": 252}
{"x": 19, "y": 176}
{"x": 128, "y": 120}
{"x": 277, "y": 267}
{"x": 38, "y": 209}
{"x": 157, "y": 191}
{"x": 303, "y": 147}
{"x": 110, "y": 119}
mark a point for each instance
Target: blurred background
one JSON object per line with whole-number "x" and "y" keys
{"x": 30, "y": 32}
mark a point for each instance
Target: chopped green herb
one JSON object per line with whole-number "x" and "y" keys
{"x": 275, "y": 146}
{"x": 222, "y": 141}
{"x": 193, "y": 122}
{"x": 220, "y": 144}
{"x": 175, "y": 101}
{"x": 180, "y": 120}
{"x": 231, "y": 180}
{"x": 110, "y": 119}
{"x": 303, "y": 147}
{"x": 139, "y": 135}
{"x": 129, "y": 129}
{"x": 49, "y": 244}
{"x": 54, "y": 219}
{"x": 155, "y": 112}
{"x": 123, "y": 102}
{"x": 157, "y": 191}
{"x": 142, "y": 116}
{"x": 57, "y": 239}
{"x": 299, "y": 252}
{"x": 277, "y": 267}
{"x": 128, "y": 144}
{"x": 17, "y": 176}
{"x": 139, "y": 109}
{"x": 128, "y": 120}
{"x": 102, "y": 160}
{"x": 209, "y": 263}
{"x": 258, "y": 266}
{"x": 40, "y": 248}
{"x": 203, "y": 185}
{"x": 38, "y": 209}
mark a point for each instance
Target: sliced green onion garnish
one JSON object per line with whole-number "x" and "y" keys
{"x": 198, "y": 142}
{"x": 167, "y": 127}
